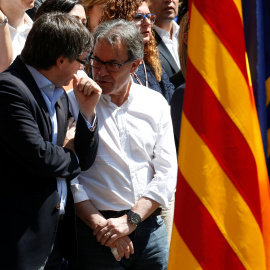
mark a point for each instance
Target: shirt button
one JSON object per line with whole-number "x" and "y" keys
{"x": 57, "y": 206}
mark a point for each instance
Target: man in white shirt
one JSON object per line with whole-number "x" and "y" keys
{"x": 118, "y": 199}
{"x": 15, "y": 25}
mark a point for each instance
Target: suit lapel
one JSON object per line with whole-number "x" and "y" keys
{"x": 29, "y": 81}
{"x": 61, "y": 121}
{"x": 165, "y": 52}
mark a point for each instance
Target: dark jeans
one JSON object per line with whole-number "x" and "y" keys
{"x": 150, "y": 246}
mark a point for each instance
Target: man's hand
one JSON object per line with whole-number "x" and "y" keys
{"x": 115, "y": 228}
{"x": 87, "y": 93}
{"x": 69, "y": 140}
{"x": 122, "y": 247}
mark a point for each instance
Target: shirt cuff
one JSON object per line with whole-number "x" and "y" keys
{"x": 94, "y": 123}
{"x": 78, "y": 192}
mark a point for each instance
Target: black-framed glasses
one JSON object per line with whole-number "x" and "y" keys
{"x": 85, "y": 63}
{"x": 139, "y": 18}
{"x": 110, "y": 66}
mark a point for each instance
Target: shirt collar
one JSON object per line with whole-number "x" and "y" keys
{"x": 28, "y": 23}
{"x": 107, "y": 98}
{"x": 164, "y": 33}
{"x": 53, "y": 93}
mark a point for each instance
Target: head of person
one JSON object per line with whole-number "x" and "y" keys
{"x": 57, "y": 41}
{"x": 131, "y": 10}
{"x": 94, "y": 9}
{"x": 165, "y": 10}
{"x": 72, "y": 7}
{"x": 137, "y": 11}
{"x": 183, "y": 38}
{"x": 118, "y": 50}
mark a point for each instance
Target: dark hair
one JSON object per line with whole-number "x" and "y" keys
{"x": 124, "y": 31}
{"x": 183, "y": 9}
{"x": 64, "y": 6}
{"x": 53, "y": 35}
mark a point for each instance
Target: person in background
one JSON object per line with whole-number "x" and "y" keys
{"x": 178, "y": 95}
{"x": 166, "y": 33}
{"x": 150, "y": 72}
{"x": 118, "y": 199}
{"x": 15, "y": 25}
{"x": 94, "y": 9}
{"x": 42, "y": 147}
{"x": 72, "y": 7}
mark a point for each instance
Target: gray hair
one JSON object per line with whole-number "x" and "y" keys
{"x": 124, "y": 31}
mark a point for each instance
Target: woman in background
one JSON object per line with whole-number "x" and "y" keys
{"x": 72, "y": 7}
{"x": 150, "y": 72}
{"x": 94, "y": 10}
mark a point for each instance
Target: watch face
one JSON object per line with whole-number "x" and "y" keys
{"x": 135, "y": 218}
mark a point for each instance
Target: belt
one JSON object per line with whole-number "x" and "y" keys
{"x": 115, "y": 214}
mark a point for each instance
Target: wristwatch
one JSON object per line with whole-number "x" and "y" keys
{"x": 4, "y": 21}
{"x": 134, "y": 218}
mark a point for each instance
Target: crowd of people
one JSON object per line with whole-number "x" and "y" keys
{"x": 91, "y": 95}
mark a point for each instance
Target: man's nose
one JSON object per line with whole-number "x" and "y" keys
{"x": 103, "y": 70}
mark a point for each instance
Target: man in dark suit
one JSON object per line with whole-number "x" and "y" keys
{"x": 166, "y": 34}
{"x": 38, "y": 156}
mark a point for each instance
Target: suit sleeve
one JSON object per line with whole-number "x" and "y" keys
{"x": 86, "y": 143}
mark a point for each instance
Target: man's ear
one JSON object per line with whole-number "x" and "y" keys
{"x": 60, "y": 62}
{"x": 135, "y": 65}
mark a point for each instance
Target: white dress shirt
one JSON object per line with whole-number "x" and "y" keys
{"x": 172, "y": 44}
{"x": 18, "y": 36}
{"x": 136, "y": 154}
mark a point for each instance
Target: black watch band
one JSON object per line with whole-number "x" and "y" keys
{"x": 134, "y": 218}
{"x": 4, "y": 21}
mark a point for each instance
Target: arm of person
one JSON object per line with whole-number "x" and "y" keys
{"x": 87, "y": 212}
{"x": 87, "y": 94}
{"x": 6, "y": 52}
{"x": 119, "y": 227}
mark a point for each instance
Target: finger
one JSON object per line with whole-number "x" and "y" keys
{"x": 131, "y": 247}
{"x": 75, "y": 81}
{"x": 88, "y": 88}
{"x": 111, "y": 239}
{"x": 126, "y": 249}
{"x": 71, "y": 121}
{"x": 104, "y": 238}
{"x": 115, "y": 254}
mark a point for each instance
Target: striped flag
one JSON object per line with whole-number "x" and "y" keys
{"x": 222, "y": 206}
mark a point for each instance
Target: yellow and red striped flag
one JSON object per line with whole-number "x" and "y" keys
{"x": 222, "y": 206}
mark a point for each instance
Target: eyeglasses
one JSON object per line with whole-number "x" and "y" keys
{"x": 85, "y": 63}
{"x": 139, "y": 18}
{"x": 110, "y": 66}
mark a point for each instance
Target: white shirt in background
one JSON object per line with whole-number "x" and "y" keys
{"x": 172, "y": 44}
{"x": 18, "y": 36}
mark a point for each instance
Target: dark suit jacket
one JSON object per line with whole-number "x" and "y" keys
{"x": 176, "y": 112}
{"x": 166, "y": 57}
{"x": 29, "y": 165}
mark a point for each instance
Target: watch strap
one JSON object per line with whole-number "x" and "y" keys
{"x": 4, "y": 21}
